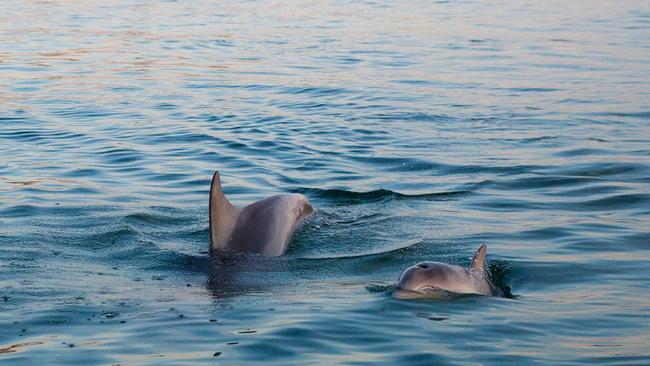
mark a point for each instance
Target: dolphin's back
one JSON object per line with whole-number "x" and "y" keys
{"x": 460, "y": 280}
{"x": 266, "y": 226}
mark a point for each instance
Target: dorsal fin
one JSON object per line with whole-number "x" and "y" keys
{"x": 223, "y": 215}
{"x": 478, "y": 262}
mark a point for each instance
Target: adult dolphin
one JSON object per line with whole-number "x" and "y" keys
{"x": 265, "y": 227}
{"x": 434, "y": 279}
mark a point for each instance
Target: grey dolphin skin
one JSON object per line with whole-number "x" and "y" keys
{"x": 263, "y": 227}
{"x": 434, "y": 279}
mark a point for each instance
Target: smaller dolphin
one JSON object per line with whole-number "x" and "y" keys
{"x": 263, "y": 227}
{"x": 435, "y": 279}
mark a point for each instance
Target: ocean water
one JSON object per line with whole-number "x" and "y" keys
{"x": 419, "y": 131}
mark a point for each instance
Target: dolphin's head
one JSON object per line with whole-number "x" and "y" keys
{"x": 301, "y": 206}
{"x": 434, "y": 277}
{"x": 427, "y": 277}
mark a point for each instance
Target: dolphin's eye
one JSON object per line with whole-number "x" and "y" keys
{"x": 423, "y": 265}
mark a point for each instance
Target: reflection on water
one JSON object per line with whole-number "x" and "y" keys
{"x": 419, "y": 131}
{"x": 18, "y": 347}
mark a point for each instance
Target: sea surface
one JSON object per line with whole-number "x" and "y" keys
{"x": 419, "y": 130}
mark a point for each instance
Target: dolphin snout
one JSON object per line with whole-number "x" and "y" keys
{"x": 411, "y": 278}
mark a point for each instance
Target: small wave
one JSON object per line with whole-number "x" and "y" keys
{"x": 108, "y": 240}
{"x": 351, "y": 197}
{"x": 19, "y": 211}
{"x": 601, "y": 169}
{"x": 411, "y": 116}
{"x": 148, "y": 219}
{"x": 171, "y": 260}
{"x": 392, "y": 164}
{"x": 541, "y": 182}
{"x": 39, "y": 135}
{"x": 216, "y": 43}
{"x": 121, "y": 156}
{"x": 544, "y": 138}
{"x": 396, "y": 164}
{"x": 617, "y": 202}
{"x": 382, "y": 252}
{"x": 500, "y": 276}
{"x": 314, "y": 91}
{"x": 13, "y": 119}
{"x": 581, "y": 152}
{"x": 532, "y": 90}
{"x": 91, "y": 112}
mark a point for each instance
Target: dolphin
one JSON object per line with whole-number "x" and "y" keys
{"x": 264, "y": 227}
{"x": 434, "y": 279}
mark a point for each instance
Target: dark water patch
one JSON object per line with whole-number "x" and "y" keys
{"x": 82, "y": 173}
{"x": 11, "y": 119}
{"x": 304, "y": 106}
{"x": 166, "y": 106}
{"x": 578, "y": 101}
{"x": 508, "y": 204}
{"x": 549, "y": 233}
{"x": 398, "y": 164}
{"x": 509, "y": 170}
{"x": 90, "y": 112}
{"x": 378, "y": 256}
{"x": 541, "y": 182}
{"x": 149, "y": 219}
{"x": 19, "y": 211}
{"x": 165, "y": 260}
{"x": 216, "y": 43}
{"x": 558, "y": 276}
{"x": 60, "y": 191}
{"x": 169, "y": 177}
{"x": 532, "y": 90}
{"x": 644, "y": 115}
{"x": 121, "y": 155}
{"x": 590, "y": 191}
{"x": 181, "y": 137}
{"x": 602, "y": 170}
{"x": 411, "y": 116}
{"x": 539, "y": 139}
{"x": 609, "y": 203}
{"x": 412, "y": 82}
{"x": 103, "y": 239}
{"x": 187, "y": 183}
{"x": 433, "y": 318}
{"x": 581, "y": 152}
{"x": 392, "y": 164}
{"x": 484, "y": 40}
{"x": 614, "y": 244}
{"x": 614, "y": 357}
{"x": 616, "y": 202}
{"x": 43, "y": 135}
{"x": 420, "y": 358}
{"x": 314, "y": 91}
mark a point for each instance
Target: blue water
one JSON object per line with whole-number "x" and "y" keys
{"x": 419, "y": 130}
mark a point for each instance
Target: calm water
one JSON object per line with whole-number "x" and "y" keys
{"x": 418, "y": 130}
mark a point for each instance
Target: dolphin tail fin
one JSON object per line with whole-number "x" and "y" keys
{"x": 223, "y": 215}
{"x": 478, "y": 262}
